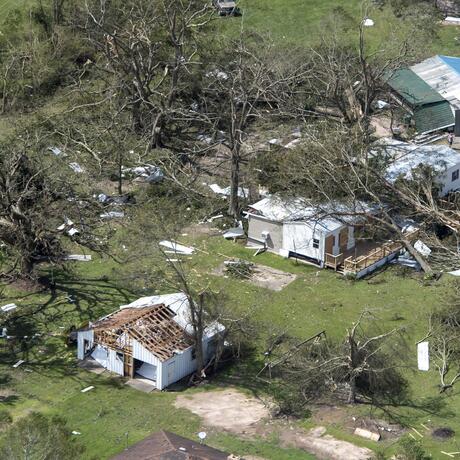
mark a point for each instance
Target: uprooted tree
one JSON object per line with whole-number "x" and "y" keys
{"x": 38, "y": 210}
{"x": 362, "y": 366}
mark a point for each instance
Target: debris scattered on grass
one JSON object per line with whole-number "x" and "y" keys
{"x": 76, "y": 168}
{"x": 21, "y": 361}
{"x": 8, "y": 307}
{"x": 112, "y": 215}
{"x": 176, "y": 248}
{"x": 367, "y": 434}
{"x": 79, "y": 257}
{"x": 76, "y": 432}
{"x": 87, "y": 389}
{"x": 239, "y": 268}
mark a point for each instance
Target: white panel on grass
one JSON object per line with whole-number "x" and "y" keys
{"x": 423, "y": 356}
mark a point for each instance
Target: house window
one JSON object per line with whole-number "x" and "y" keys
{"x": 455, "y": 175}
{"x": 315, "y": 243}
{"x": 119, "y": 356}
{"x": 193, "y": 354}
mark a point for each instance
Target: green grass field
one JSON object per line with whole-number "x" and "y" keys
{"x": 316, "y": 300}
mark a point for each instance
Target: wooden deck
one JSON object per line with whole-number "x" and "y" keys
{"x": 364, "y": 254}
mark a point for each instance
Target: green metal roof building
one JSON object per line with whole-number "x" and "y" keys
{"x": 431, "y": 112}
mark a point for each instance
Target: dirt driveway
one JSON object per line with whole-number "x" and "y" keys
{"x": 228, "y": 410}
{"x": 233, "y": 411}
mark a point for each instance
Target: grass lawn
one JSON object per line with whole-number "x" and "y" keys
{"x": 316, "y": 300}
{"x": 302, "y": 22}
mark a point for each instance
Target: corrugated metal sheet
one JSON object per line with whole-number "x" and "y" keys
{"x": 441, "y": 77}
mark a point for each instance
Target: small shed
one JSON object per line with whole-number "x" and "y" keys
{"x": 403, "y": 158}
{"x": 427, "y": 108}
{"x": 296, "y": 228}
{"x": 150, "y": 338}
{"x": 164, "y": 445}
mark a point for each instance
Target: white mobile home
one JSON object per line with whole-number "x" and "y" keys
{"x": 404, "y": 158}
{"x": 150, "y": 338}
{"x": 295, "y": 228}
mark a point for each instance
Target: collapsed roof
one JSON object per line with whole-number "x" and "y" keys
{"x": 160, "y": 323}
{"x": 152, "y": 326}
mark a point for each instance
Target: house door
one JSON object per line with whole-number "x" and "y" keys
{"x": 329, "y": 245}
{"x": 343, "y": 239}
{"x": 171, "y": 373}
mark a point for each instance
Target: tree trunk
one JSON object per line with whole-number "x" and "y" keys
{"x": 352, "y": 391}
{"x": 120, "y": 173}
{"x": 353, "y": 359}
{"x": 417, "y": 256}
{"x": 233, "y": 204}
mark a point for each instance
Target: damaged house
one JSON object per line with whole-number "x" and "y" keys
{"x": 150, "y": 338}
{"x": 404, "y": 159}
{"x": 328, "y": 236}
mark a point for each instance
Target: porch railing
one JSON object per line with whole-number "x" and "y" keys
{"x": 332, "y": 261}
{"x": 355, "y": 265}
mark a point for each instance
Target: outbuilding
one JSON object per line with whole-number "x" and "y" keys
{"x": 150, "y": 338}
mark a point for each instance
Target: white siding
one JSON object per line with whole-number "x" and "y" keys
{"x": 181, "y": 366}
{"x": 446, "y": 183}
{"x": 81, "y": 336}
{"x": 298, "y": 237}
{"x": 115, "y": 363}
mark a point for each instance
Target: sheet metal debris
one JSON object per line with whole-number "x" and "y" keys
{"x": 79, "y": 257}
{"x": 8, "y": 307}
{"x": 76, "y": 168}
{"x": 176, "y": 248}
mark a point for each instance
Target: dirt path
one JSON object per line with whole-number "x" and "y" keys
{"x": 227, "y": 410}
{"x": 233, "y": 411}
{"x": 322, "y": 445}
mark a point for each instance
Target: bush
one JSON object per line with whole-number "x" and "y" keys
{"x": 411, "y": 450}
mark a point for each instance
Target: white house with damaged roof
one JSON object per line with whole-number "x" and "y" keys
{"x": 404, "y": 158}
{"x": 151, "y": 338}
{"x": 296, "y": 228}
